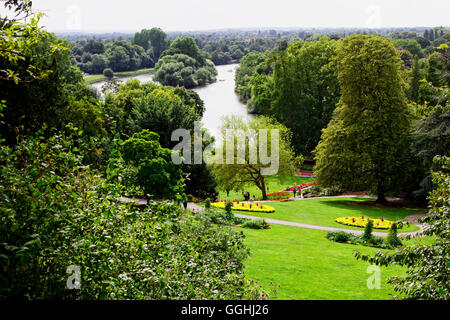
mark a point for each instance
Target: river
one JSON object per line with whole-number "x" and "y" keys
{"x": 219, "y": 97}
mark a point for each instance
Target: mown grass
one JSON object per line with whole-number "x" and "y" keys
{"x": 273, "y": 183}
{"x": 323, "y": 212}
{"x": 308, "y": 266}
{"x": 99, "y": 77}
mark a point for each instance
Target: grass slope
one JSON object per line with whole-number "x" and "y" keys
{"x": 323, "y": 212}
{"x": 274, "y": 184}
{"x": 308, "y": 266}
{"x": 99, "y": 77}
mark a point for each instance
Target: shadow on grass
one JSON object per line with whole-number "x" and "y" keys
{"x": 364, "y": 207}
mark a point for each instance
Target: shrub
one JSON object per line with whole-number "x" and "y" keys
{"x": 55, "y": 213}
{"x": 256, "y": 224}
{"x": 392, "y": 238}
{"x": 340, "y": 236}
{"x": 228, "y": 207}
{"x": 108, "y": 73}
{"x": 207, "y": 204}
{"x": 367, "y": 235}
{"x": 332, "y": 191}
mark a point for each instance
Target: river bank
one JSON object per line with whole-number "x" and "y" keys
{"x": 95, "y": 78}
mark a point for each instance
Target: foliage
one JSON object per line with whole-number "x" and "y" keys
{"x": 366, "y": 145}
{"x": 55, "y": 213}
{"x": 256, "y": 224}
{"x": 183, "y": 70}
{"x": 427, "y": 276}
{"x": 57, "y": 99}
{"x": 153, "y": 39}
{"x": 306, "y": 91}
{"x": 392, "y": 238}
{"x": 431, "y": 136}
{"x": 18, "y": 37}
{"x": 340, "y": 236}
{"x": 108, "y": 73}
{"x": 367, "y": 235}
{"x": 248, "y": 65}
{"x": 153, "y": 169}
{"x": 207, "y": 204}
{"x": 247, "y": 171}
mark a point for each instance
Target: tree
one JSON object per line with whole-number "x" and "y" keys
{"x": 98, "y": 64}
{"x": 154, "y": 39}
{"x": 306, "y": 91}
{"x": 415, "y": 81}
{"x": 31, "y": 103}
{"x": 365, "y": 145}
{"x": 154, "y": 171}
{"x": 427, "y": 275}
{"x": 94, "y": 47}
{"x": 250, "y": 171}
{"x": 431, "y": 135}
{"x": 226, "y": 179}
{"x": 246, "y": 69}
{"x": 57, "y": 212}
{"x": 19, "y": 60}
{"x": 182, "y": 70}
{"x": 187, "y": 46}
{"x": 118, "y": 58}
{"x": 108, "y": 73}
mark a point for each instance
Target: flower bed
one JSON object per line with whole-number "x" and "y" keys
{"x": 279, "y": 195}
{"x": 245, "y": 206}
{"x": 362, "y": 222}
{"x": 306, "y": 174}
{"x": 301, "y": 187}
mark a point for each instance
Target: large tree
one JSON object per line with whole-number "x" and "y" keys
{"x": 249, "y": 171}
{"x": 154, "y": 39}
{"x": 151, "y": 164}
{"x": 305, "y": 91}
{"x": 365, "y": 146}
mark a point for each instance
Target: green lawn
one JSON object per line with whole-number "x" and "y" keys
{"x": 308, "y": 266}
{"x": 323, "y": 212}
{"x": 274, "y": 184}
{"x": 99, "y": 77}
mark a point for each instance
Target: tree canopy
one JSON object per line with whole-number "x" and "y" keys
{"x": 365, "y": 146}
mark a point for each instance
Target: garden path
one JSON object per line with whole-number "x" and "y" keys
{"x": 411, "y": 219}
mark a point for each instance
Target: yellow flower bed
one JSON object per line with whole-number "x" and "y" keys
{"x": 362, "y": 222}
{"x": 245, "y": 206}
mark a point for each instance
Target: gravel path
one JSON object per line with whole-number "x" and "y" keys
{"x": 411, "y": 219}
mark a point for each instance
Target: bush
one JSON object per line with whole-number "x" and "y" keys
{"x": 228, "y": 207}
{"x": 367, "y": 235}
{"x": 207, "y": 204}
{"x": 108, "y": 73}
{"x": 55, "y": 213}
{"x": 340, "y": 236}
{"x": 256, "y": 224}
{"x": 392, "y": 238}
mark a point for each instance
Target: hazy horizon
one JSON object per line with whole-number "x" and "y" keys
{"x": 201, "y": 15}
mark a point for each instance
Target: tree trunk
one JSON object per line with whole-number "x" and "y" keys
{"x": 263, "y": 189}
{"x": 381, "y": 195}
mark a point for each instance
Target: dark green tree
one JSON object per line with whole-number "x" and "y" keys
{"x": 155, "y": 172}
{"x": 366, "y": 144}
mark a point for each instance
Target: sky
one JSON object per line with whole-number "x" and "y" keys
{"x": 191, "y": 15}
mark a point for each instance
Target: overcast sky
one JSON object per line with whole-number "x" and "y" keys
{"x": 171, "y": 15}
